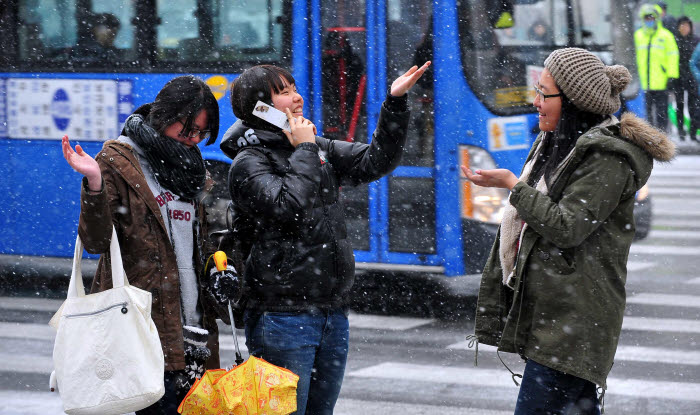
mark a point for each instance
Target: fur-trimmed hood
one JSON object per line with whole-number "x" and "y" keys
{"x": 652, "y": 140}
{"x": 631, "y": 138}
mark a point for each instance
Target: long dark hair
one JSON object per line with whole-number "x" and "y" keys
{"x": 184, "y": 97}
{"x": 557, "y": 144}
{"x": 256, "y": 84}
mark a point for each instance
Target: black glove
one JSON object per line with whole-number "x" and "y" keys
{"x": 196, "y": 355}
{"x": 222, "y": 287}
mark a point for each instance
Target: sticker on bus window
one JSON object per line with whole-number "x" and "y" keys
{"x": 48, "y": 109}
{"x": 508, "y": 133}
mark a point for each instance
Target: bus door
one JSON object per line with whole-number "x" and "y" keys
{"x": 365, "y": 46}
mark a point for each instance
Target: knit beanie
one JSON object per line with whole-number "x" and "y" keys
{"x": 588, "y": 83}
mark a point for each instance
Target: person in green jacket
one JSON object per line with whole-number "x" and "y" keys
{"x": 657, "y": 63}
{"x": 553, "y": 288}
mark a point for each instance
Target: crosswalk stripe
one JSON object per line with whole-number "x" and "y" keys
{"x": 624, "y": 353}
{"x": 676, "y": 173}
{"x": 29, "y": 303}
{"x": 633, "y": 266}
{"x": 356, "y": 406}
{"x": 693, "y": 281}
{"x": 679, "y": 234}
{"x": 498, "y": 378}
{"x": 675, "y": 191}
{"x": 28, "y": 331}
{"x": 660, "y": 324}
{"x": 13, "y": 362}
{"x": 665, "y": 250}
{"x": 370, "y": 321}
{"x": 14, "y": 402}
{"x": 675, "y": 300}
{"x": 675, "y": 223}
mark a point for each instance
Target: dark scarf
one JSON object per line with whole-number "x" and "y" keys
{"x": 177, "y": 167}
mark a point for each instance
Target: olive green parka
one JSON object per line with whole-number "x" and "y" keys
{"x": 566, "y": 306}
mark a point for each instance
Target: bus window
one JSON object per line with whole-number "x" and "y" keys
{"x": 407, "y": 38}
{"x": 409, "y": 42}
{"x": 499, "y": 63}
{"x": 412, "y": 215}
{"x": 344, "y": 76}
{"x": 192, "y": 31}
{"x": 105, "y": 36}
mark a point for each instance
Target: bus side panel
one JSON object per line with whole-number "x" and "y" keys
{"x": 460, "y": 118}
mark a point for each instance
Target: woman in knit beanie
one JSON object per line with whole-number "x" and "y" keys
{"x": 553, "y": 289}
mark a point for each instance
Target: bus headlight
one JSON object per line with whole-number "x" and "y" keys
{"x": 481, "y": 203}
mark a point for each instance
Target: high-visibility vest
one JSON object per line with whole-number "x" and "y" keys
{"x": 657, "y": 57}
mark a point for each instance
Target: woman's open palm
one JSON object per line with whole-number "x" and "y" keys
{"x": 80, "y": 161}
{"x": 406, "y": 81}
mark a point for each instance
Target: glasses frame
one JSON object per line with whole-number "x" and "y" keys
{"x": 538, "y": 92}
{"x": 194, "y": 133}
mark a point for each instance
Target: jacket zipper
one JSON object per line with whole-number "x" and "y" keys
{"x": 123, "y": 306}
{"x": 334, "y": 242}
{"x": 651, "y": 39}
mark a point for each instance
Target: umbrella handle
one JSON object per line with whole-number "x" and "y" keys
{"x": 239, "y": 358}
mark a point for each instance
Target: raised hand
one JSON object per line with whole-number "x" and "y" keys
{"x": 406, "y": 81}
{"x": 502, "y": 178}
{"x": 303, "y": 130}
{"x": 81, "y": 162}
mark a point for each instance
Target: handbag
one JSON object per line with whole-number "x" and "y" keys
{"x": 107, "y": 354}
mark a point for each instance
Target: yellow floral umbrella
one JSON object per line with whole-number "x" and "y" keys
{"x": 255, "y": 387}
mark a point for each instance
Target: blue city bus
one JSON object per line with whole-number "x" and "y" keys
{"x": 64, "y": 70}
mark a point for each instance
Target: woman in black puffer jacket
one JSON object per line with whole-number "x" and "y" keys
{"x": 301, "y": 265}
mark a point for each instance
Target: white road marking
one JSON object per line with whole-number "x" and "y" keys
{"x": 13, "y": 362}
{"x": 26, "y": 331}
{"x": 674, "y": 191}
{"x": 29, "y": 303}
{"x": 665, "y": 250}
{"x": 624, "y": 353}
{"x": 675, "y": 223}
{"x": 499, "y": 378}
{"x": 674, "y": 234}
{"x": 693, "y": 281}
{"x": 675, "y": 300}
{"x": 14, "y": 402}
{"x": 638, "y": 265}
{"x": 370, "y": 321}
{"x": 676, "y": 173}
{"x": 661, "y": 325}
{"x": 356, "y": 406}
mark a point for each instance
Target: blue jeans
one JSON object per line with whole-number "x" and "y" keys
{"x": 546, "y": 391}
{"x": 312, "y": 344}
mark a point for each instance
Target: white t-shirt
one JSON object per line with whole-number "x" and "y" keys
{"x": 179, "y": 217}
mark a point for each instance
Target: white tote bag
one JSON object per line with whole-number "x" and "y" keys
{"x": 107, "y": 354}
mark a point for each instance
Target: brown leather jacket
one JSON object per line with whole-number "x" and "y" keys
{"x": 149, "y": 259}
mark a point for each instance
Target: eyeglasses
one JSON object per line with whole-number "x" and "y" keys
{"x": 544, "y": 96}
{"x": 194, "y": 133}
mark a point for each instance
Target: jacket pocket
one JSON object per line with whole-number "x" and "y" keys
{"x": 556, "y": 261}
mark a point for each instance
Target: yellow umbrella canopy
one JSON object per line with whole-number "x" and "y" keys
{"x": 255, "y": 387}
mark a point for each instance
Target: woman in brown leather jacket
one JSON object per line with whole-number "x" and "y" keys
{"x": 148, "y": 184}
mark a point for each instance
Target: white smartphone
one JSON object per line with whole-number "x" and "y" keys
{"x": 271, "y": 115}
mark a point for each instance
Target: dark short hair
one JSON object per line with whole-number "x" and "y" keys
{"x": 184, "y": 97}
{"x": 106, "y": 19}
{"x": 685, "y": 19}
{"x": 663, "y": 5}
{"x": 256, "y": 84}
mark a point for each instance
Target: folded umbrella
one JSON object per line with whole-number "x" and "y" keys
{"x": 251, "y": 387}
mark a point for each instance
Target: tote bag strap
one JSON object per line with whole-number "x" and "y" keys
{"x": 76, "y": 287}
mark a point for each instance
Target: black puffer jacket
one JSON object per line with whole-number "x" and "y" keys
{"x": 300, "y": 256}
